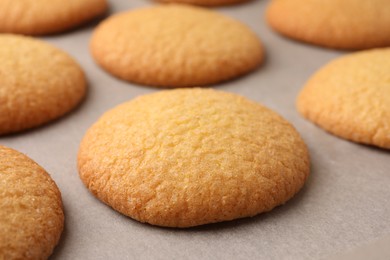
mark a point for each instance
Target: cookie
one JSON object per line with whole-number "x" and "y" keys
{"x": 205, "y": 2}
{"x": 38, "y": 82}
{"x": 31, "y": 216}
{"x": 346, "y": 24}
{"x": 175, "y": 46}
{"x": 187, "y": 157}
{"x": 40, "y": 17}
{"x": 350, "y": 97}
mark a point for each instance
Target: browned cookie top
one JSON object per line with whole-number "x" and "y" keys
{"x": 350, "y": 97}
{"x": 344, "y": 24}
{"x": 188, "y": 157}
{"x": 38, "y": 83}
{"x": 36, "y": 17}
{"x": 175, "y": 46}
{"x": 31, "y": 216}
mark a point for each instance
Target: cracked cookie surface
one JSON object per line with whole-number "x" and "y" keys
{"x": 175, "y": 46}
{"x": 189, "y": 157}
{"x": 38, "y": 83}
{"x": 350, "y": 97}
{"x": 31, "y": 215}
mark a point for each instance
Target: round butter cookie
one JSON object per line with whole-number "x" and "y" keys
{"x": 175, "y": 46}
{"x": 37, "y": 17}
{"x": 345, "y": 24}
{"x": 205, "y": 2}
{"x": 38, "y": 83}
{"x": 187, "y": 157}
{"x": 350, "y": 97}
{"x": 31, "y": 215}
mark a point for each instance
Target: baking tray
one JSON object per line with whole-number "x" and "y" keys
{"x": 344, "y": 204}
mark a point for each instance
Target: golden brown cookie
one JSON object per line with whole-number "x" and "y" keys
{"x": 37, "y": 17}
{"x": 175, "y": 46}
{"x": 350, "y": 97}
{"x": 188, "y": 157}
{"x": 205, "y": 2}
{"x": 344, "y": 24}
{"x": 38, "y": 83}
{"x": 31, "y": 216}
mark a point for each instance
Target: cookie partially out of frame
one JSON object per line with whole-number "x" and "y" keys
{"x": 175, "y": 46}
{"x": 31, "y": 215}
{"x": 345, "y": 24}
{"x": 38, "y": 83}
{"x": 188, "y": 157}
{"x": 350, "y": 97}
{"x": 205, "y": 2}
{"x": 37, "y": 17}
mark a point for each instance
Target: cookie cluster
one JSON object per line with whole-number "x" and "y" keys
{"x": 188, "y": 156}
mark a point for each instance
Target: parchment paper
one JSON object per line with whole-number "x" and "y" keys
{"x": 344, "y": 204}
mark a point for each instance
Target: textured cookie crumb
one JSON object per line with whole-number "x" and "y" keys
{"x": 38, "y": 83}
{"x": 350, "y": 97}
{"x": 31, "y": 215}
{"x": 188, "y": 157}
{"x": 175, "y": 46}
